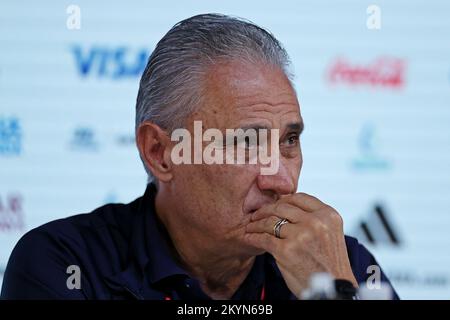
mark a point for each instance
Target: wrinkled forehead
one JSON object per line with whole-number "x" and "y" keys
{"x": 239, "y": 94}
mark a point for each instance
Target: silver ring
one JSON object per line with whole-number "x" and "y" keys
{"x": 277, "y": 227}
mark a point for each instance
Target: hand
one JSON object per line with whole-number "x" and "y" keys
{"x": 313, "y": 240}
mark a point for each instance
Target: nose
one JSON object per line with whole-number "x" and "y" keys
{"x": 280, "y": 183}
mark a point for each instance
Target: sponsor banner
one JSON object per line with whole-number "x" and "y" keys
{"x": 373, "y": 83}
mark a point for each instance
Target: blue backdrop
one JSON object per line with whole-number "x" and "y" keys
{"x": 373, "y": 80}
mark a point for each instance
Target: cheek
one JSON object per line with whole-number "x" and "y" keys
{"x": 231, "y": 184}
{"x": 293, "y": 167}
{"x": 223, "y": 187}
{"x": 300, "y": 162}
{"x": 296, "y": 169}
{"x": 238, "y": 178}
{"x": 219, "y": 185}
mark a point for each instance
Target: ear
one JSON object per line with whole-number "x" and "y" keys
{"x": 154, "y": 147}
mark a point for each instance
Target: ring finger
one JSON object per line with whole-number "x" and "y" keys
{"x": 267, "y": 225}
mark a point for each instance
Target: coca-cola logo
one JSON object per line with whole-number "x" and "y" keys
{"x": 11, "y": 213}
{"x": 385, "y": 72}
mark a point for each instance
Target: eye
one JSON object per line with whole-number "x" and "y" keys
{"x": 292, "y": 139}
{"x": 250, "y": 143}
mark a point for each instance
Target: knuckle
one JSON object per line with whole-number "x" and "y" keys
{"x": 270, "y": 223}
{"x": 304, "y": 238}
{"x": 269, "y": 243}
{"x": 319, "y": 227}
{"x": 281, "y": 206}
{"x": 335, "y": 217}
{"x": 288, "y": 249}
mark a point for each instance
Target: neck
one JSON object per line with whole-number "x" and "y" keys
{"x": 221, "y": 279}
{"x": 212, "y": 262}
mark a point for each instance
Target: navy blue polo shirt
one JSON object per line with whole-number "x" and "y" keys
{"x": 124, "y": 252}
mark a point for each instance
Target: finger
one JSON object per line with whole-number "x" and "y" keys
{"x": 267, "y": 226}
{"x": 304, "y": 201}
{"x": 262, "y": 225}
{"x": 282, "y": 210}
{"x": 263, "y": 241}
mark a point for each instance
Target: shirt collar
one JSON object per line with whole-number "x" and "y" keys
{"x": 151, "y": 258}
{"x": 160, "y": 261}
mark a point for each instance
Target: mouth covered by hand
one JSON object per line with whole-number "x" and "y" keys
{"x": 310, "y": 239}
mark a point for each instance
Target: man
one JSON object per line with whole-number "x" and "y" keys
{"x": 201, "y": 231}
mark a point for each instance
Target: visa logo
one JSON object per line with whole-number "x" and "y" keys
{"x": 113, "y": 63}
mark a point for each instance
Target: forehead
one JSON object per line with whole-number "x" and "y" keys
{"x": 237, "y": 93}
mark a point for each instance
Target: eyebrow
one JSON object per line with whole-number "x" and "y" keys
{"x": 294, "y": 126}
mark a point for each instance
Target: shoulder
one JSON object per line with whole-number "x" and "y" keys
{"x": 363, "y": 262}
{"x": 38, "y": 264}
{"x": 358, "y": 253}
{"x": 78, "y": 232}
{"x": 360, "y": 258}
{"x": 112, "y": 219}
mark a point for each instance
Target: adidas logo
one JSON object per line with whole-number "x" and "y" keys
{"x": 378, "y": 228}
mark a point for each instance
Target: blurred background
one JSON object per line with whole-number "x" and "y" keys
{"x": 373, "y": 80}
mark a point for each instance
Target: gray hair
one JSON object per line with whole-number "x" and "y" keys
{"x": 170, "y": 89}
